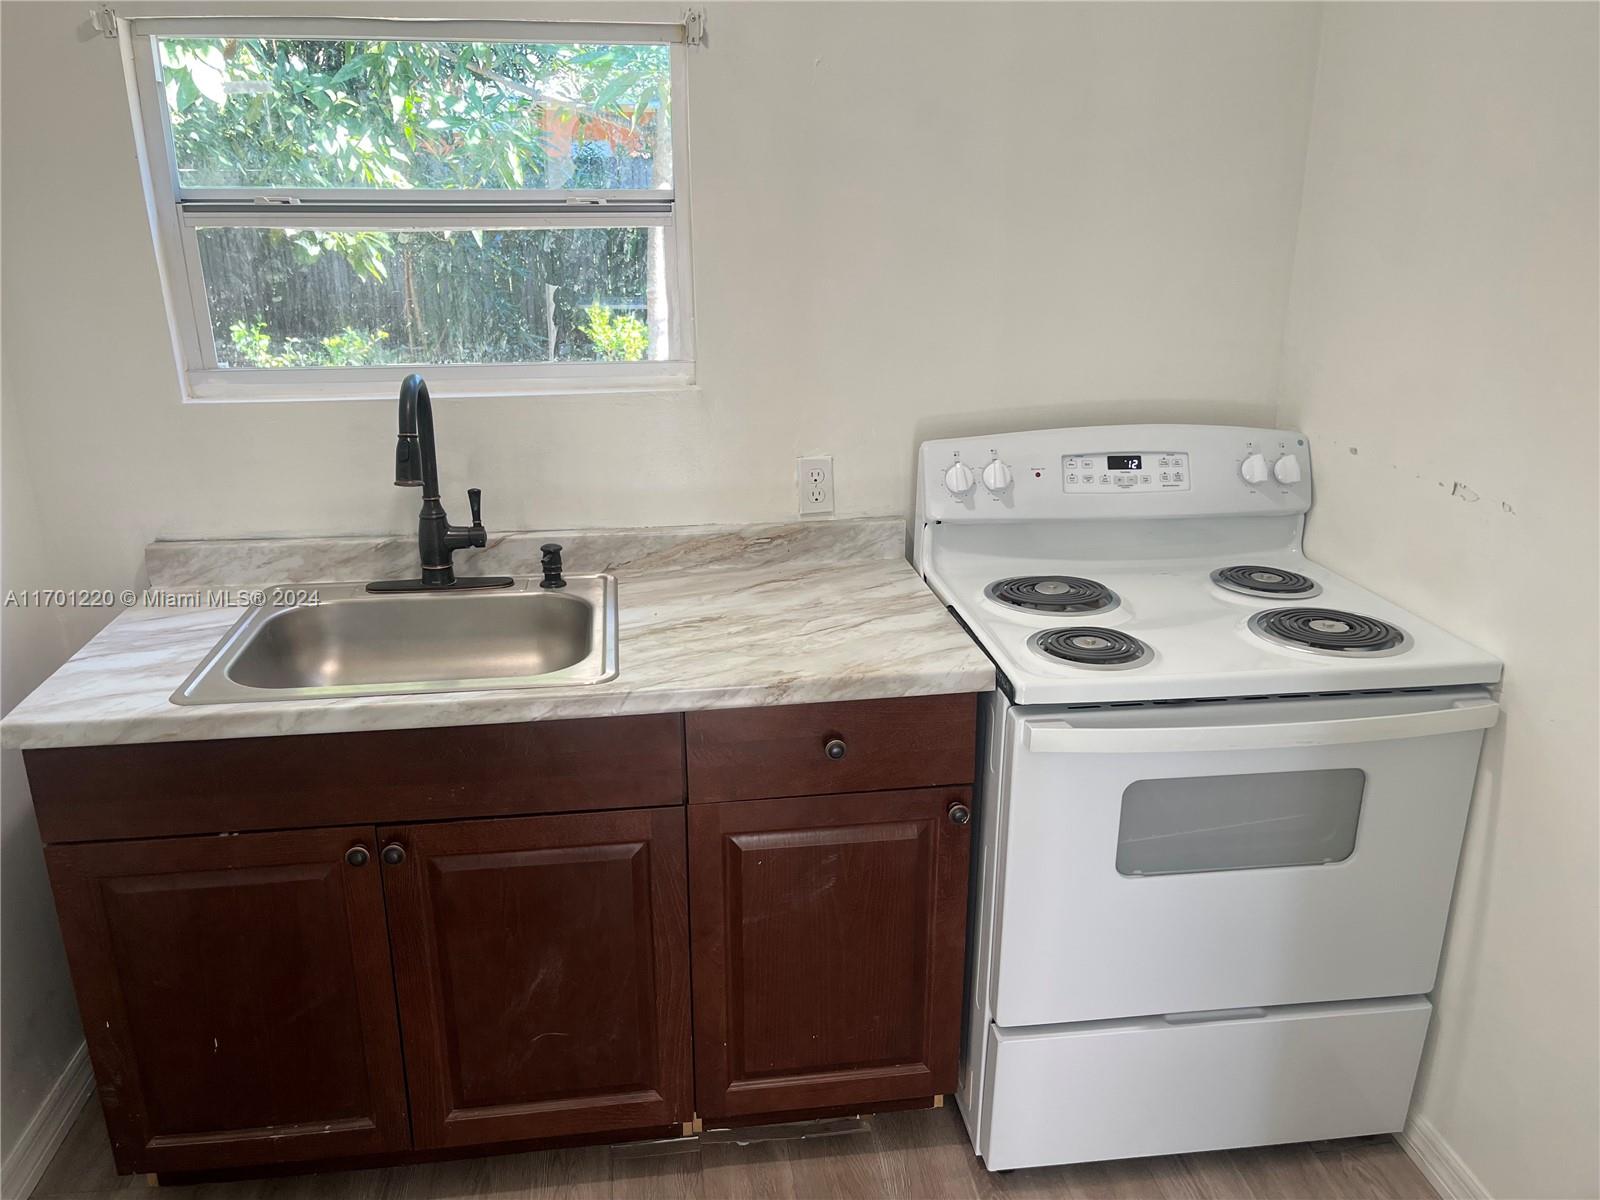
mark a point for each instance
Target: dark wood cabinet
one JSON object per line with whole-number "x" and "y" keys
{"x": 236, "y": 995}
{"x": 543, "y": 975}
{"x": 379, "y": 946}
{"x": 829, "y": 936}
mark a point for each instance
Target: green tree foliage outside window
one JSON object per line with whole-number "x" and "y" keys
{"x": 397, "y": 115}
{"x": 253, "y": 346}
{"x": 618, "y": 337}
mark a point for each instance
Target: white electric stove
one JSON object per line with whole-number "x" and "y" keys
{"x": 1224, "y": 795}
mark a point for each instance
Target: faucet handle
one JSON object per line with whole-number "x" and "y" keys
{"x": 475, "y": 500}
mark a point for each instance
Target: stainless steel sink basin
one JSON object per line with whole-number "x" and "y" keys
{"x": 353, "y": 643}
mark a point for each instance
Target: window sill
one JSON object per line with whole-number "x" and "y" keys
{"x": 218, "y": 388}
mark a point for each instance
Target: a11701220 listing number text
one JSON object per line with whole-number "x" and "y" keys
{"x": 157, "y": 598}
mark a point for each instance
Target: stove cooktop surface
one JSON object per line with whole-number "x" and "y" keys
{"x": 1173, "y": 632}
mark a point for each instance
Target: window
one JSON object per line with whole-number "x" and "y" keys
{"x": 337, "y": 202}
{"x": 1240, "y": 822}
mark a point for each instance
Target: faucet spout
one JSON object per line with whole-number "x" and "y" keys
{"x": 415, "y": 458}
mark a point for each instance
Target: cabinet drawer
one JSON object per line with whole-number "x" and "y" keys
{"x": 815, "y": 749}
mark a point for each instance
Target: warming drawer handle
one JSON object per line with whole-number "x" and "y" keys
{"x": 1062, "y": 737}
{"x": 1214, "y": 1015}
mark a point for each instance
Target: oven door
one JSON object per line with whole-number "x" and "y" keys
{"x": 1201, "y": 857}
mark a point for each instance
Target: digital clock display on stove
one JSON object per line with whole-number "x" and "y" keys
{"x": 1119, "y": 474}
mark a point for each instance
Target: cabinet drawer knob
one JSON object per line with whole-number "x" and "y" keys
{"x": 960, "y": 814}
{"x": 357, "y": 856}
{"x": 834, "y": 748}
{"x": 394, "y": 854}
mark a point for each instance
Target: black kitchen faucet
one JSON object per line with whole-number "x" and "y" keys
{"x": 416, "y": 464}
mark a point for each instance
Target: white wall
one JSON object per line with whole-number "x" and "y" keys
{"x": 40, "y": 1029}
{"x": 1441, "y": 353}
{"x": 908, "y": 220}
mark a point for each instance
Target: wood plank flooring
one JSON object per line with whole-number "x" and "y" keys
{"x": 905, "y": 1156}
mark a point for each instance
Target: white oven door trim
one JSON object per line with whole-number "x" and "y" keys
{"x": 1063, "y": 737}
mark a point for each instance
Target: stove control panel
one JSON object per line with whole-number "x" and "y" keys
{"x": 1135, "y": 471}
{"x": 1111, "y": 472}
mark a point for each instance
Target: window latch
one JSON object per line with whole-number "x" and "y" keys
{"x": 279, "y": 200}
{"x": 694, "y": 26}
{"x": 591, "y": 201}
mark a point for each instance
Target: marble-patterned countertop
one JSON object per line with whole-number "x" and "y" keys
{"x": 708, "y": 618}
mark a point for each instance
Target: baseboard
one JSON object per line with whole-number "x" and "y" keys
{"x": 25, "y": 1165}
{"x": 1438, "y": 1160}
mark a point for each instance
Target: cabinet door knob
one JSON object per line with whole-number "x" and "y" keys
{"x": 834, "y": 748}
{"x": 394, "y": 854}
{"x": 960, "y": 814}
{"x": 357, "y": 856}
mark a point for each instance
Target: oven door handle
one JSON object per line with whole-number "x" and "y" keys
{"x": 1063, "y": 737}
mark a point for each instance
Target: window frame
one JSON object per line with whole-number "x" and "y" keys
{"x": 176, "y": 213}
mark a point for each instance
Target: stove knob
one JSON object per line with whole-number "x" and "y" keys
{"x": 959, "y": 479}
{"x": 1254, "y": 469}
{"x": 997, "y": 477}
{"x": 1287, "y": 469}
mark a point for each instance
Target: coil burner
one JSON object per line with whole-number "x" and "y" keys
{"x": 1093, "y": 646}
{"x": 1274, "y": 582}
{"x": 1329, "y": 631}
{"x": 1053, "y": 594}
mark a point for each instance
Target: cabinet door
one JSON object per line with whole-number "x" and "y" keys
{"x": 829, "y": 936}
{"x": 237, "y": 996}
{"x": 543, "y": 973}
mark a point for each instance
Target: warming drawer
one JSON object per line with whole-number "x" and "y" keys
{"x": 1175, "y": 1085}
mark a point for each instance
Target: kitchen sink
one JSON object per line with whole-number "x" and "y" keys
{"x": 350, "y": 642}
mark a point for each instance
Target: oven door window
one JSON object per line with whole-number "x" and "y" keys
{"x": 1238, "y": 822}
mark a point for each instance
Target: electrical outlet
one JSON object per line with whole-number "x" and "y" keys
{"x": 815, "y": 478}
